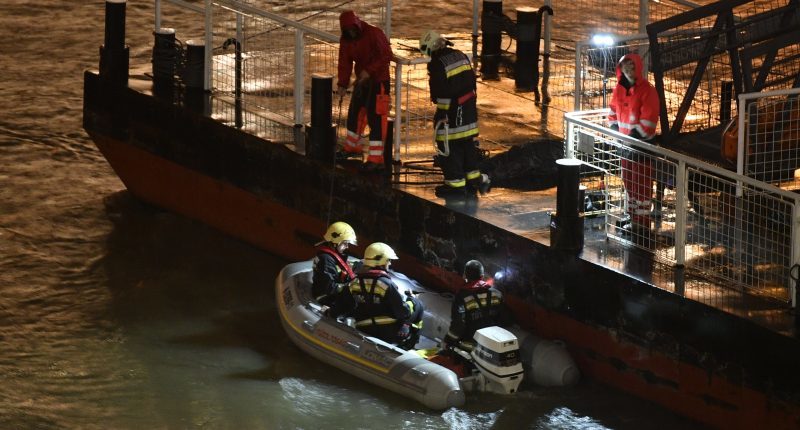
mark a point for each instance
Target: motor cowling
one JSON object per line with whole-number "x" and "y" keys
{"x": 497, "y": 357}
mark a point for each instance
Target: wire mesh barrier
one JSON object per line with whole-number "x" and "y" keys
{"x": 579, "y": 74}
{"x": 272, "y": 96}
{"x": 719, "y": 225}
{"x": 770, "y": 137}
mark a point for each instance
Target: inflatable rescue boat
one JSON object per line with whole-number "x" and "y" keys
{"x": 500, "y": 359}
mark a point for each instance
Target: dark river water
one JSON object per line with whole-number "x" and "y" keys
{"x": 115, "y": 314}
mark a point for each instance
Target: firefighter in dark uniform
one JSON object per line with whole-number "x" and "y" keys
{"x": 378, "y": 307}
{"x": 452, "y": 84}
{"x": 476, "y": 305}
{"x": 331, "y": 270}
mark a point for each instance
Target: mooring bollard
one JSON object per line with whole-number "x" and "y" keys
{"x": 527, "y": 49}
{"x": 197, "y": 99}
{"x": 566, "y": 223}
{"x": 114, "y": 54}
{"x": 165, "y": 61}
{"x": 165, "y": 56}
{"x": 491, "y": 29}
{"x": 321, "y": 135}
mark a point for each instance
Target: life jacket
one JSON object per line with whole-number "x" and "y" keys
{"x": 369, "y": 291}
{"x": 481, "y": 305}
{"x": 346, "y": 273}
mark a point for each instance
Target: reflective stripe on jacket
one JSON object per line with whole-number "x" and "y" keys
{"x": 453, "y": 88}
{"x": 377, "y": 300}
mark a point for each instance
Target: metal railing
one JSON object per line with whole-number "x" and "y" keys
{"x": 718, "y": 224}
{"x": 278, "y": 55}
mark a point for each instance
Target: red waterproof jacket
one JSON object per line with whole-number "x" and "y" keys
{"x": 370, "y": 52}
{"x": 634, "y": 107}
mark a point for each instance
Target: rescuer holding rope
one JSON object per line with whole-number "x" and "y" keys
{"x": 453, "y": 89}
{"x": 366, "y": 47}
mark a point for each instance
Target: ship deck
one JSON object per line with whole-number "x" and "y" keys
{"x": 527, "y": 212}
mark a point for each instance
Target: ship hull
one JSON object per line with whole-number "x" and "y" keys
{"x": 693, "y": 359}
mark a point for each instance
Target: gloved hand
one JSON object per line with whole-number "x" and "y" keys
{"x": 614, "y": 127}
{"x": 363, "y": 76}
{"x": 404, "y": 332}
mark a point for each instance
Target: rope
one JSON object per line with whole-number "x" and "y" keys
{"x": 167, "y": 57}
{"x": 333, "y": 171}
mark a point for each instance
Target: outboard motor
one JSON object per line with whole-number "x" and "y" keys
{"x": 497, "y": 357}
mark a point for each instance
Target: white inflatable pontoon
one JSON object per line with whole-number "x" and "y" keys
{"x": 406, "y": 372}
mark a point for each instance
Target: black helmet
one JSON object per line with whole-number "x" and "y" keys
{"x": 473, "y": 270}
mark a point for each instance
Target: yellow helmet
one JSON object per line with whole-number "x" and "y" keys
{"x": 431, "y": 41}
{"x": 339, "y": 232}
{"x": 378, "y": 254}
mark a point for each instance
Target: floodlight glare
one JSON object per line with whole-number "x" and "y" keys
{"x": 602, "y": 40}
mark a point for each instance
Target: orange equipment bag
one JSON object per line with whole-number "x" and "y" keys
{"x": 382, "y": 103}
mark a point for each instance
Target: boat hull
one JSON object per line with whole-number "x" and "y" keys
{"x": 370, "y": 359}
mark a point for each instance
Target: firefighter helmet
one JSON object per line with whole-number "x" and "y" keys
{"x": 340, "y": 232}
{"x": 473, "y": 270}
{"x": 378, "y": 254}
{"x": 431, "y": 41}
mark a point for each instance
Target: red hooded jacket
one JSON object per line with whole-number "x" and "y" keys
{"x": 636, "y": 107}
{"x": 370, "y": 51}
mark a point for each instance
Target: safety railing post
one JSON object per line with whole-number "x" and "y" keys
{"x": 795, "y": 257}
{"x": 157, "y": 15}
{"x": 569, "y": 147}
{"x": 388, "y": 18}
{"x": 299, "y": 76}
{"x": 209, "y": 41}
{"x": 578, "y": 90}
{"x": 681, "y": 209}
{"x": 741, "y": 134}
{"x": 644, "y": 15}
{"x": 398, "y": 111}
{"x": 475, "y": 18}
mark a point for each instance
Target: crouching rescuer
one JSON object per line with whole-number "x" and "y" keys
{"x": 364, "y": 48}
{"x": 452, "y": 84}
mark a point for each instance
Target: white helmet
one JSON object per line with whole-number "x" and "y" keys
{"x": 431, "y": 41}
{"x": 339, "y": 232}
{"x": 378, "y": 254}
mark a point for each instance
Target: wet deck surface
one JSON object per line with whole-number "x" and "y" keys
{"x": 527, "y": 213}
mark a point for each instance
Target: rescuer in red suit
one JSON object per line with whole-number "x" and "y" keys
{"x": 635, "y": 112}
{"x": 366, "y": 48}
